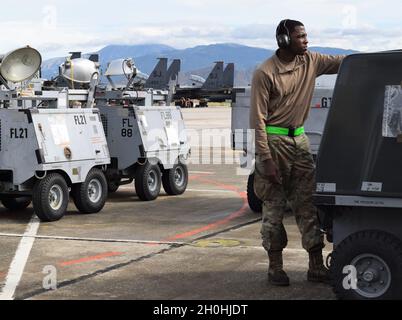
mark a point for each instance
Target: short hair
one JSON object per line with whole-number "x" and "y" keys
{"x": 290, "y": 25}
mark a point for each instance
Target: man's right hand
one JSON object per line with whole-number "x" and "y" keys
{"x": 271, "y": 171}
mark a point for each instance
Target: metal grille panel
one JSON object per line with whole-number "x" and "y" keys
{"x": 104, "y": 123}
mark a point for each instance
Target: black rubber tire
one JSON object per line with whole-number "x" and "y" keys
{"x": 41, "y": 194}
{"x": 142, "y": 188}
{"x": 169, "y": 180}
{"x": 254, "y": 202}
{"x": 16, "y": 204}
{"x": 378, "y": 243}
{"x": 113, "y": 185}
{"x": 81, "y": 196}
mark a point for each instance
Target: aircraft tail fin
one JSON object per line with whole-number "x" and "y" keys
{"x": 228, "y": 76}
{"x": 172, "y": 79}
{"x": 94, "y": 57}
{"x": 157, "y": 78}
{"x": 173, "y": 71}
{"x": 75, "y": 55}
{"x": 215, "y": 78}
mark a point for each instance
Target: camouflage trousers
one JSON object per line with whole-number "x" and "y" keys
{"x": 297, "y": 171}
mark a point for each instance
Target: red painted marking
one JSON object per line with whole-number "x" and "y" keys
{"x": 232, "y": 216}
{"x": 2, "y": 274}
{"x": 195, "y": 177}
{"x": 93, "y": 258}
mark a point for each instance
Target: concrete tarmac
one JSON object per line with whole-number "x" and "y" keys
{"x": 202, "y": 245}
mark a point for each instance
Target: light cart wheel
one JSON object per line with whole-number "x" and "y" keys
{"x": 90, "y": 196}
{"x": 175, "y": 180}
{"x": 56, "y": 197}
{"x": 376, "y": 260}
{"x": 374, "y": 275}
{"x": 254, "y": 202}
{"x": 16, "y": 204}
{"x": 148, "y": 181}
{"x": 50, "y": 197}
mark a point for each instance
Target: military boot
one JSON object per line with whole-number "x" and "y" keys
{"x": 276, "y": 275}
{"x": 317, "y": 271}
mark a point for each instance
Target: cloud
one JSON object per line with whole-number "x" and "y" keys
{"x": 62, "y": 40}
{"x": 59, "y": 28}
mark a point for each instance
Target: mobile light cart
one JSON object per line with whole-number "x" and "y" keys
{"x": 146, "y": 136}
{"x": 52, "y": 142}
{"x": 359, "y": 177}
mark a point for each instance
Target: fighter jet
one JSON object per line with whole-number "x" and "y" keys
{"x": 217, "y": 87}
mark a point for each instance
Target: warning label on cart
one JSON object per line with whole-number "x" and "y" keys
{"x": 58, "y": 127}
{"x": 392, "y": 123}
{"x": 372, "y": 186}
{"x": 326, "y": 187}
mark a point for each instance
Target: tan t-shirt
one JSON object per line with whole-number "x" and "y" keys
{"x": 281, "y": 93}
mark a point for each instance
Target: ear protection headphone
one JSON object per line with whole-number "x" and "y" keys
{"x": 283, "y": 39}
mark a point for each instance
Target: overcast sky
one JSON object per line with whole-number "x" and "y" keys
{"x": 57, "y": 27}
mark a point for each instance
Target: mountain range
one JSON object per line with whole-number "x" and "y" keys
{"x": 198, "y": 60}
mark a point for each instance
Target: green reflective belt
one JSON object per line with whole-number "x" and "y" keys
{"x": 285, "y": 131}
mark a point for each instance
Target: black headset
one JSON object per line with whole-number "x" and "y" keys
{"x": 283, "y": 39}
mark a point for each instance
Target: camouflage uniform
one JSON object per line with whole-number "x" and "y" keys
{"x": 297, "y": 171}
